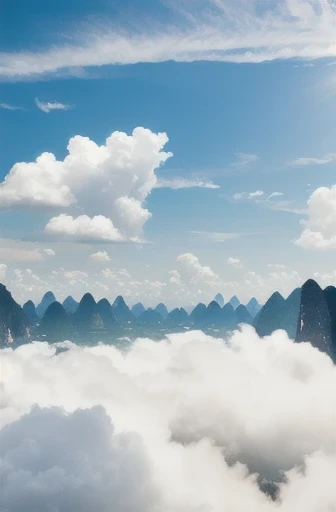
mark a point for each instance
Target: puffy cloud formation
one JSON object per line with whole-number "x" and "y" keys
{"x": 235, "y": 262}
{"x": 320, "y": 228}
{"x": 49, "y": 106}
{"x": 100, "y": 257}
{"x": 187, "y": 424}
{"x": 196, "y": 273}
{"x": 108, "y": 183}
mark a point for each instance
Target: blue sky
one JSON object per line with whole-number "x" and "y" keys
{"x": 243, "y": 122}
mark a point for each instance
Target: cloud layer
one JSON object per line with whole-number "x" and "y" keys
{"x": 179, "y": 425}
{"x": 215, "y": 30}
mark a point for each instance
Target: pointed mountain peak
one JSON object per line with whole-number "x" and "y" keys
{"x": 234, "y": 301}
{"x": 162, "y": 310}
{"x": 253, "y": 302}
{"x": 310, "y": 285}
{"x": 214, "y": 305}
{"x": 49, "y": 296}
{"x": 219, "y": 299}
{"x": 103, "y": 303}
{"x": 29, "y": 304}
{"x": 120, "y": 301}
{"x": 87, "y": 299}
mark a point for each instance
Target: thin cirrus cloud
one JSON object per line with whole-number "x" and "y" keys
{"x": 243, "y": 159}
{"x": 7, "y": 106}
{"x": 179, "y": 183}
{"x": 205, "y": 30}
{"x": 49, "y": 106}
{"x": 248, "y": 195}
{"x": 326, "y": 159}
{"x": 213, "y": 236}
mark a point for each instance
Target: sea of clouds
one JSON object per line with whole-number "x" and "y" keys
{"x": 188, "y": 424}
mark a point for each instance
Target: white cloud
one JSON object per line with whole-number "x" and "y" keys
{"x": 108, "y": 183}
{"x": 178, "y": 183}
{"x": 3, "y": 270}
{"x": 235, "y": 262}
{"x": 216, "y": 30}
{"x": 274, "y": 194}
{"x": 100, "y": 257}
{"x": 49, "y": 106}
{"x": 161, "y": 437}
{"x": 244, "y": 159}
{"x": 320, "y": 228}
{"x": 196, "y": 273}
{"x": 326, "y": 159}
{"x": 49, "y": 252}
{"x": 6, "y": 106}
{"x": 276, "y": 265}
{"x": 248, "y": 195}
{"x": 213, "y": 236}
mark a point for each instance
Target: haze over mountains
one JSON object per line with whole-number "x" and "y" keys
{"x": 307, "y": 314}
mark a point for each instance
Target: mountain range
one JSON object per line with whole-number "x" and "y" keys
{"x": 307, "y": 314}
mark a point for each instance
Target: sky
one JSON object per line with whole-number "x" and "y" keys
{"x": 168, "y": 152}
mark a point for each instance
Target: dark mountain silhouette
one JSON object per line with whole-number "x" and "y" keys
{"x": 177, "y": 317}
{"x": 105, "y": 311}
{"x": 70, "y": 305}
{"x": 150, "y": 317}
{"x": 229, "y": 317}
{"x": 121, "y": 311}
{"x": 253, "y": 307}
{"x": 330, "y": 296}
{"x": 314, "y": 323}
{"x": 86, "y": 318}
{"x": 30, "y": 312}
{"x": 291, "y": 313}
{"x": 13, "y": 321}
{"x": 234, "y": 301}
{"x": 162, "y": 310}
{"x": 219, "y": 299}
{"x": 137, "y": 309}
{"x": 243, "y": 315}
{"x": 197, "y": 316}
{"x": 271, "y": 315}
{"x": 213, "y": 315}
{"x": 56, "y": 324}
{"x": 48, "y": 298}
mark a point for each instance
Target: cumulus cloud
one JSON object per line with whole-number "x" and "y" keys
{"x": 108, "y": 183}
{"x": 196, "y": 273}
{"x": 187, "y": 424}
{"x": 320, "y": 228}
{"x": 235, "y": 262}
{"x": 49, "y": 252}
{"x": 326, "y": 159}
{"x": 49, "y": 106}
{"x": 178, "y": 183}
{"x": 100, "y": 257}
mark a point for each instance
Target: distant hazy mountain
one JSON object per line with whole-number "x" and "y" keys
{"x": 243, "y": 315}
{"x": 13, "y": 321}
{"x": 271, "y": 315}
{"x": 70, "y": 305}
{"x": 253, "y": 307}
{"x": 177, "y": 317}
{"x": 121, "y": 311}
{"x": 213, "y": 315}
{"x": 137, "y": 309}
{"x": 234, "y": 301}
{"x": 229, "y": 317}
{"x": 30, "y": 312}
{"x": 151, "y": 318}
{"x": 104, "y": 309}
{"x": 56, "y": 324}
{"x": 197, "y": 316}
{"x": 330, "y": 296}
{"x": 48, "y": 298}
{"x": 162, "y": 310}
{"x": 219, "y": 299}
{"x": 291, "y": 313}
{"x": 86, "y": 318}
{"x": 314, "y": 323}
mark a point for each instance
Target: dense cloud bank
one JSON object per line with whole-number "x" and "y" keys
{"x": 184, "y": 425}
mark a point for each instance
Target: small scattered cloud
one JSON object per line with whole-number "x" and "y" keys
{"x": 196, "y": 273}
{"x": 302, "y": 161}
{"x": 49, "y": 106}
{"x": 178, "y": 183}
{"x": 235, "y": 262}
{"x": 213, "y": 236}
{"x": 248, "y": 195}
{"x": 3, "y": 270}
{"x": 243, "y": 159}
{"x": 6, "y": 106}
{"x": 49, "y": 252}
{"x": 84, "y": 228}
{"x": 100, "y": 257}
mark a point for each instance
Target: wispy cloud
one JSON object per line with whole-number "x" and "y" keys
{"x": 248, "y": 195}
{"x": 214, "y": 30}
{"x": 6, "y": 106}
{"x": 178, "y": 183}
{"x": 326, "y": 159}
{"x": 49, "y": 106}
{"x": 243, "y": 159}
{"x": 212, "y": 236}
{"x": 275, "y": 194}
